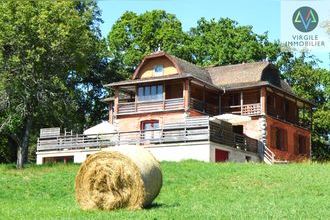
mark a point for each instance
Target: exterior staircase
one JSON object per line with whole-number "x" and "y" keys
{"x": 269, "y": 157}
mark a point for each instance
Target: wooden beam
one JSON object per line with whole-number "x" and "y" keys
{"x": 164, "y": 95}
{"x": 186, "y": 94}
{"x": 242, "y": 103}
{"x": 111, "y": 112}
{"x": 296, "y": 112}
{"x": 311, "y": 118}
{"x": 204, "y": 103}
{"x": 219, "y": 103}
{"x": 116, "y": 103}
{"x": 136, "y": 97}
{"x": 263, "y": 100}
{"x": 285, "y": 114}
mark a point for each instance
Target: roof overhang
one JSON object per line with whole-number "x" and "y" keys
{"x": 145, "y": 80}
{"x": 160, "y": 79}
{"x": 264, "y": 83}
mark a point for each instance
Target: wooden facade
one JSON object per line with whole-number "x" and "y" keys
{"x": 192, "y": 96}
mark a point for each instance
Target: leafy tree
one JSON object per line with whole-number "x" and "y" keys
{"x": 45, "y": 52}
{"x": 134, "y": 36}
{"x": 223, "y": 41}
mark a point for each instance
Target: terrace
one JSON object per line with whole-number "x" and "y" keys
{"x": 193, "y": 129}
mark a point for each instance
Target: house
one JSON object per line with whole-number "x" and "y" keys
{"x": 242, "y": 112}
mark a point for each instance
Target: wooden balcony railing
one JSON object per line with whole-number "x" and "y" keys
{"x": 207, "y": 108}
{"x": 295, "y": 120}
{"x": 192, "y": 129}
{"x": 150, "y": 106}
{"x": 247, "y": 109}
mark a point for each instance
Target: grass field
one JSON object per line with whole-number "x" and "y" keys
{"x": 192, "y": 190}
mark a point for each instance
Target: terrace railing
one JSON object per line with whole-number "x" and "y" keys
{"x": 204, "y": 107}
{"x": 247, "y": 109}
{"x": 192, "y": 129}
{"x": 150, "y": 106}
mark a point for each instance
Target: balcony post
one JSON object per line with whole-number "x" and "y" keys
{"x": 186, "y": 94}
{"x": 164, "y": 97}
{"x": 263, "y": 96}
{"x": 116, "y": 104}
{"x": 204, "y": 103}
{"x": 311, "y": 118}
{"x": 136, "y": 98}
{"x": 111, "y": 112}
{"x": 219, "y": 103}
{"x": 241, "y": 103}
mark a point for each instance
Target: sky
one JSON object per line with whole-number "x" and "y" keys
{"x": 263, "y": 15}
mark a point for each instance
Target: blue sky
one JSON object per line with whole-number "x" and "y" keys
{"x": 263, "y": 15}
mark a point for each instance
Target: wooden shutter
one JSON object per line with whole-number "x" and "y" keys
{"x": 273, "y": 137}
{"x": 308, "y": 145}
{"x": 285, "y": 139}
{"x": 296, "y": 143}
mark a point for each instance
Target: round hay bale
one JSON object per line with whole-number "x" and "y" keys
{"x": 128, "y": 177}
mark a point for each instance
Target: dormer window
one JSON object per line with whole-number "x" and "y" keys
{"x": 158, "y": 70}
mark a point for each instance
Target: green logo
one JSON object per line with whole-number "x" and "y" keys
{"x": 305, "y": 19}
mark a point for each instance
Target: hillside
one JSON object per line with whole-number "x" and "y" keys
{"x": 193, "y": 190}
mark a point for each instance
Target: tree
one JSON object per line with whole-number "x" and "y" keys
{"x": 45, "y": 47}
{"x": 223, "y": 41}
{"x": 134, "y": 36}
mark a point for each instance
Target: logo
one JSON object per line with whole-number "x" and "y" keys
{"x": 305, "y": 19}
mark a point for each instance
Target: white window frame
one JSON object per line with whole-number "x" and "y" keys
{"x": 158, "y": 73}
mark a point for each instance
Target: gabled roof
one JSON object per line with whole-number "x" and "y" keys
{"x": 183, "y": 67}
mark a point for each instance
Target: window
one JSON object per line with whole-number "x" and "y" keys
{"x": 158, "y": 70}
{"x": 148, "y": 93}
{"x": 302, "y": 144}
{"x": 149, "y": 125}
{"x": 235, "y": 99}
{"x": 279, "y": 138}
{"x": 149, "y": 128}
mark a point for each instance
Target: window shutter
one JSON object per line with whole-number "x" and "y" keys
{"x": 273, "y": 137}
{"x": 285, "y": 140}
{"x": 307, "y": 145}
{"x": 296, "y": 143}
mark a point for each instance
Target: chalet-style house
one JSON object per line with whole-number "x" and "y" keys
{"x": 242, "y": 112}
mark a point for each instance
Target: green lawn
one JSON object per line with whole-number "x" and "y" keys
{"x": 191, "y": 190}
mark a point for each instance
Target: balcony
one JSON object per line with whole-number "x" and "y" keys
{"x": 150, "y": 106}
{"x": 192, "y": 129}
{"x": 204, "y": 107}
{"x": 247, "y": 109}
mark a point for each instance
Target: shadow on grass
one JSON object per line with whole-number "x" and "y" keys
{"x": 161, "y": 205}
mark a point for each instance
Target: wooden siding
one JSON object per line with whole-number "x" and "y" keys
{"x": 289, "y": 151}
{"x": 133, "y": 122}
{"x": 150, "y": 106}
{"x": 147, "y": 70}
